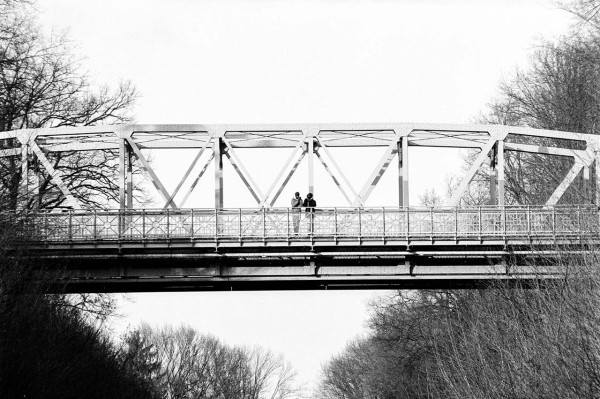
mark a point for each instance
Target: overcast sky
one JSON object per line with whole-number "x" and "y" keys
{"x": 267, "y": 61}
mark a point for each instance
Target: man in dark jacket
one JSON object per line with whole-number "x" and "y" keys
{"x": 310, "y": 204}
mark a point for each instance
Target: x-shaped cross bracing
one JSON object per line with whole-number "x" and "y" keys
{"x": 304, "y": 142}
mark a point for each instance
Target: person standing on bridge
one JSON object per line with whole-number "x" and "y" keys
{"x": 296, "y": 204}
{"x": 310, "y": 204}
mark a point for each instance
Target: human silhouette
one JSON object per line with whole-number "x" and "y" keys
{"x": 310, "y": 204}
{"x": 296, "y": 204}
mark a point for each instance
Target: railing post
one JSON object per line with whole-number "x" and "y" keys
{"x": 287, "y": 213}
{"x": 120, "y": 222}
{"x": 407, "y": 216}
{"x": 504, "y": 222}
{"x": 529, "y": 220}
{"x": 70, "y": 233}
{"x": 383, "y": 217}
{"x": 264, "y": 224}
{"x": 579, "y": 231}
{"x": 359, "y": 223}
{"x": 480, "y": 223}
{"x": 240, "y": 223}
{"x": 554, "y": 223}
{"x": 335, "y": 220}
{"x": 431, "y": 221}
{"x": 46, "y": 224}
{"x": 168, "y": 223}
{"x": 95, "y": 225}
{"x": 216, "y": 225}
{"x": 192, "y": 224}
{"x": 455, "y": 223}
{"x": 143, "y": 223}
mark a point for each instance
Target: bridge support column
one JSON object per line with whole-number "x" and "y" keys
{"x": 403, "y": 171}
{"x": 218, "y": 147}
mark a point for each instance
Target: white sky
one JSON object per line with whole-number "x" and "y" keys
{"x": 254, "y": 61}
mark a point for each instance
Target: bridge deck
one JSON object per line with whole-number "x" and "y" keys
{"x": 284, "y": 249}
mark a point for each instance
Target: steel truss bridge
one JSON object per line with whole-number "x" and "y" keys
{"x": 176, "y": 248}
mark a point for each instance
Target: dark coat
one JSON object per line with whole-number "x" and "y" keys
{"x": 309, "y": 204}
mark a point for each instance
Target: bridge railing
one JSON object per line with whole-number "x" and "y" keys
{"x": 285, "y": 223}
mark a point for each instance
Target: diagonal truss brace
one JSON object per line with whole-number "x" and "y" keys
{"x": 155, "y": 180}
{"x": 335, "y": 180}
{"x": 242, "y": 172}
{"x": 464, "y": 184}
{"x": 193, "y": 186}
{"x": 54, "y": 174}
{"x": 584, "y": 161}
{"x": 565, "y": 183}
{"x": 338, "y": 169}
{"x": 281, "y": 173}
{"x": 377, "y": 173}
{"x": 288, "y": 177}
{"x": 187, "y": 173}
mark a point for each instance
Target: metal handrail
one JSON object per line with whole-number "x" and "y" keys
{"x": 274, "y": 223}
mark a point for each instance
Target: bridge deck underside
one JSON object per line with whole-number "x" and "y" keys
{"x": 302, "y": 263}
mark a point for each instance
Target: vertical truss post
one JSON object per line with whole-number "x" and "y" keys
{"x": 586, "y": 183}
{"x": 129, "y": 161}
{"x": 500, "y": 171}
{"x": 400, "y": 176}
{"x": 218, "y": 151}
{"x": 493, "y": 175}
{"x": 404, "y": 172}
{"x": 122, "y": 173}
{"x": 311, "y": 169}
{"x": 493, "y": 196}
{"x": 125, "y": 175}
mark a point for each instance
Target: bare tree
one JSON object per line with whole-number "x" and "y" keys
{"x": 559, "y": 91}
{"x": 200, "y": 366}
{"x": 430, "y": 198}
{"x": 586, "y": 12}
{"x": 525, "y": 341}
{"x": 43, "y": 85}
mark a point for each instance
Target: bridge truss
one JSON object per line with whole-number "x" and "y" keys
{"x": 177, "y": 248}
{"x": 314, "y": 142}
